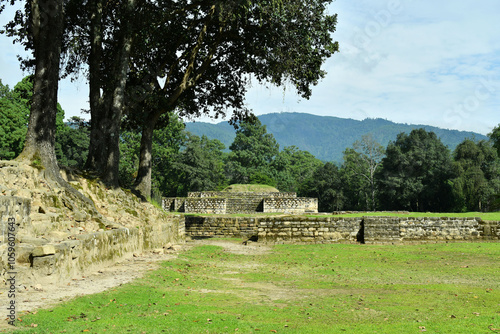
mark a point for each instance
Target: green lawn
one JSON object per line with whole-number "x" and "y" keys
{"x": 495, "y": 216}
{"x": 438, "y": 288}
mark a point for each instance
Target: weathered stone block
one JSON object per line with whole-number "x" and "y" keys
{"x": 44, "y": 250}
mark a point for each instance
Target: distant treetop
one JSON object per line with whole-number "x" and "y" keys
{"x": 258, "y": 188}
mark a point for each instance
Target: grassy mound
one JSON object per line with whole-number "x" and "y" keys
{"x": 257, "y": 188}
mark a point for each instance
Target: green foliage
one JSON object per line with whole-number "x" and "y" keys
{"x": 477, "y": 170}
{"x": 327, "y": 137}
{"x": 167, "y": 141}
{"x": 252, "y": 154}
{"x": 361, "y": 164}
{"x": 13, "y": 127}
{"x": 15, "y": 107}
{"x": 325, "y": 185}
{"x": 250, "y": 188}
{"x": 292, "y": 167}
{"x": 198, "y": 166}
{"x": 415, "y": 173}
{"x": 495, "y": 138}
{"x": 71, "y": 139}
{"x": 130, "y": 142}
{"x": 4, "y": 90}
{"x": 72, "y": 142}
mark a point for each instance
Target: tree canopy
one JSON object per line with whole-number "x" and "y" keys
{"x": 414, "y": 173}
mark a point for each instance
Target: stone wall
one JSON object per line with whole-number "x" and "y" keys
{"x": 309, "y": 229}
{"x": 43, "y": 259}
{"x": 197, "y": 226}
{"x": 248, "y": 204}
{"x": 294, "y": 205}
{"x": 231, "y": 194}
{"x": 240, "y": 202}
{"x": 348, "y": 230}
{"x": 389, "y": 229}
{"x": 17, "y": 208}
{"x": 211, "y": 205}
{"x": 173, "y": 204}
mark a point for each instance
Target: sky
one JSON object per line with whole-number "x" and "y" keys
{"x": 417, "y": 62}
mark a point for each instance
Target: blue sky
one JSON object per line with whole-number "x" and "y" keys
{"x": 408, "y": 61}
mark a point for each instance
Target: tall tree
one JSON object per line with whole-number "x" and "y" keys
{"x": 167, "y": 141}
{"x": 198, "y": 167}
{"x": 415, "y": 173}
{"x": 478, "y": 175}
{"x": 495, "y": 138}
{"x": 100, "y": 34}
{"x": 14, "y": 113}
{"x": 46, "y": 21}
{"x": 252, "y": 153}
{"x": 15, "y": 108}
{"x": 40, "y": 29}
{"x": 4, "y": 90}
{"x": 215, "y": 47}
{"x": 292, "y": 167}
{"x": 325, "y": 185}
{"x": 360, "y": 165}
{"x": 72, "y": 142}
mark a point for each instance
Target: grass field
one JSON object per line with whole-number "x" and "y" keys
{"x": 492, "y": 216}
{"x": 434, "y": 288}
{"x": 495, "y": 216}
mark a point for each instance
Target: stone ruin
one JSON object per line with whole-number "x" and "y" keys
{"x": 247, "y": 202}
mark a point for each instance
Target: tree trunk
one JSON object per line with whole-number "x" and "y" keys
{"x": 47, "y": 31}
{"x": 104, "y": 150}
{"x": 39, "y": 150}
{"x": 142, "y": 184}
{"x": 97, "y": 146}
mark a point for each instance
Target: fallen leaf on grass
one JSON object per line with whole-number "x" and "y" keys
{"x": 493, "y": 329}
{"x": 34, "y": 325}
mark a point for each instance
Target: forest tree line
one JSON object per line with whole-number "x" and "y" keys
{"x": 415, "y": 172}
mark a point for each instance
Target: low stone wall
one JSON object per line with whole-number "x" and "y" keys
{"x": 347, "y": 230}
{"x": 295, "y": 205}
{"x": 211, "y": 205}
{"x": 42, "y": 260}
{"x": 389, "y": 229}
{"x": 17, "y": 208}
{"x": 53, "y": 262}
{"x": 173, "y": 204}
{"x": 309, "y": 229}
{"x": 197, "y": 226}
{"x": 240, "y": 202}
{"x": 224, "y": 194}
{"x": 248, "y": 204}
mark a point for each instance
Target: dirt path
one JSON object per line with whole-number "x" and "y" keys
{"x": 122, "y": 272}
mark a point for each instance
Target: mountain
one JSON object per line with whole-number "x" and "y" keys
{"x": 327, "y": 137}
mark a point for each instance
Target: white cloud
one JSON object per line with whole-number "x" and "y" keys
{"x": 408, "y": 61}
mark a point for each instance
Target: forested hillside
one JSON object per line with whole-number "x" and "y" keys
{"x": 327, "y": 137}
{"x": 415, "y": 171}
